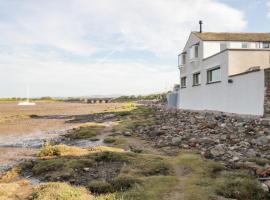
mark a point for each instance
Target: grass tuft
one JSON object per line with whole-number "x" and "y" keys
{"x": 60, "y": 191}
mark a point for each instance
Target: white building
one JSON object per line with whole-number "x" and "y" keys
{"x": 226, "y": 72}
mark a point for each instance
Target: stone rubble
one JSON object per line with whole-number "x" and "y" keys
{"x": 232, "y": 139}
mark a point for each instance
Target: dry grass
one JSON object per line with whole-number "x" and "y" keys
{"x": 62, "y": 150}
{"x": 60, "y": 191}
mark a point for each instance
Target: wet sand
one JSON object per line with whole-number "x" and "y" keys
{"x": 21, "y": 134}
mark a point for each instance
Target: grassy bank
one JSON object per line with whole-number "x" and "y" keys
{"x": 114, "y": 173}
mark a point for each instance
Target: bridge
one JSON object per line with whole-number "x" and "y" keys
{"x": 97, "y": 100}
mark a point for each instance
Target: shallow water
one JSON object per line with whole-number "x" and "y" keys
{"x": 21, "y": 135}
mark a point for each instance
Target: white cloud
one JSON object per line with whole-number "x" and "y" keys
{"x": 39, "y": 38}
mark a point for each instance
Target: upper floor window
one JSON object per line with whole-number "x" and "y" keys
{"x": 182, "y": 59}
{"x": 196, "y": 78}
{"x": 194, "y": 52}
{"x": 244, "y": 45}
{"x": 266, "y": 45}
{"x": 214, "y": 75}
{"x": 184, "y": 82}
{"x": 223, "y": 46}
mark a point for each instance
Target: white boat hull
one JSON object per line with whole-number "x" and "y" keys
{"x": 26, "y": 104}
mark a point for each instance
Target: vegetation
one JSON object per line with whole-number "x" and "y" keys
{"x": 110, "y": 173}
{"x": 60, "y": 191}
{"x": 86, "y": 132}
{"x": 240, "y": 186}
{"x": 158, "y": 97}
{"x": 61, "y": 150}
{"x": 141, "y": 116}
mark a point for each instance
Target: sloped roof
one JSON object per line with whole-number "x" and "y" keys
{"x": 249, "y": 37}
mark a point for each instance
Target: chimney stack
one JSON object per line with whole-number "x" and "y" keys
{"x": 201, "y": 23}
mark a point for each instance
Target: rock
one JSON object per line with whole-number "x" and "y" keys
{"x": 263, "y": 140}
{"x": 127, "y": 134}
{"x": 86, "y": 169}
{"x": 267, "y": 183}
{"x": 218, "y": 150}
{"x": 176, "y": 140}
{"x": 265, "y": 187}
{"x": 207, "y": 141}
{"x": 235, "y": 158}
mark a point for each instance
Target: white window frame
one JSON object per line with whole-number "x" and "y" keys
{"x": 245, "y": 45}
{"x": 193, "y": 52}
{"x": 196, "y": 79}
{"x": 182, "y": 59}
{"x": 210, "y": 77}
{"x": 183, "y": 83}
{"x": 266, "y": 43}
{"x": 223, "y": 46}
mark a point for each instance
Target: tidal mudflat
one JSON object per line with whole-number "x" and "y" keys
{"x": 24, "y": 129}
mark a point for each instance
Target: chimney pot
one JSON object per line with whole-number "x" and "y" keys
{"x": 201, "y": 23}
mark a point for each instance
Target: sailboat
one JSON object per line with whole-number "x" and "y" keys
{"x": 27, "y": 102}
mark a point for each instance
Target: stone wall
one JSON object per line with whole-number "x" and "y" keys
{"x": 267, "y": 93}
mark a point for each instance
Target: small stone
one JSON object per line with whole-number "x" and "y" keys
{"x": 128, "y": 134}
{"x": 218, "y": 150}
{"x": 86, "y": 169}
{"x": 265, "y": 187}
{"x": 176, "y": 140}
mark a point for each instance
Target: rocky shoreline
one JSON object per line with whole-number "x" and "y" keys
{"x": 237, "y": 141}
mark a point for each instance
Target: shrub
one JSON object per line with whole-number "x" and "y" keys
{"x": 49, "y": 150}
{"x": 240, "y": 186}
{"x": 109, "y": 140}
{"x": 108, "y": 157}
{"x": 100, "y": 187}
{"x": 124, "y": 182}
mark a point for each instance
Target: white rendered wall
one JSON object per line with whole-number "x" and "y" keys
{"x": 244, "y": 96}
{"x": 210, "y": 48}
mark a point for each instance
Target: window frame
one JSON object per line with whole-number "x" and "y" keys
{"x": 193, "y": 52}
{"x": 182, "y": 59}
{"x": 266, "y": 43}
{"x": 208, "y": 81}
{"x": 183, "y": 85}
{"x": 244, "y": 43}
{"x": 196, "y": 76}
{"x": 223, "y": 44}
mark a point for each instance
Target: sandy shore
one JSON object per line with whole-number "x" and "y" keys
{"x": 21, "y": 134}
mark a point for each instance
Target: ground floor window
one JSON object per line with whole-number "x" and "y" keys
{"x": 213, "y": 75}
{"x": 183, "y": 82}
{"x": 197, "y": 78}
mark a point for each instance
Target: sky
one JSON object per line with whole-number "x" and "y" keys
{"x": 108, "y": 47}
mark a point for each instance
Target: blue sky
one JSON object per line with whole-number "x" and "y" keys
{"x": 87, "y": 47}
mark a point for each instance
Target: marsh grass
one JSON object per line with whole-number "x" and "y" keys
{"x": 89, "y": 131}
{"x": 60, "y": 191}
{"x": 141, "y": 116}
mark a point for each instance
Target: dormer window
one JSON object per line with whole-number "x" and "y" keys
{"x": 223, "y": 46}
{"x": 194, "y": 51}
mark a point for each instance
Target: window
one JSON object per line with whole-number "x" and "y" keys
{"x": 223, "y": 46}
{"x": 244, "y": 45}
{"x": 214, "y": 75}
{"x": 266, "y": 45}
{"x": 191, "y": 53}
{"x": 183, "y": 82}
{"x": 182, "y": 59}
{"x": 194, "y": 52}
{"x": 197, "y": 79}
